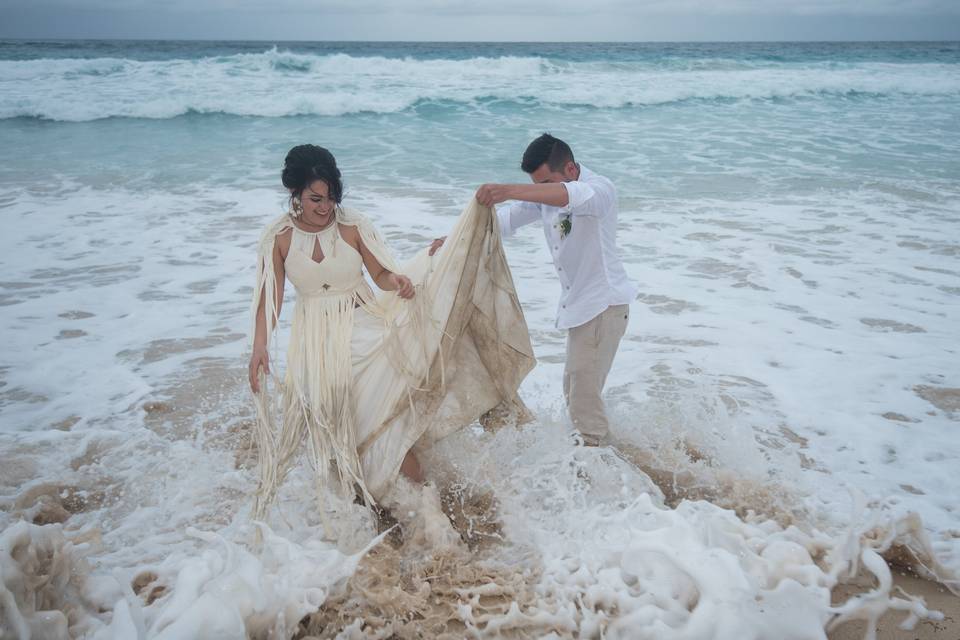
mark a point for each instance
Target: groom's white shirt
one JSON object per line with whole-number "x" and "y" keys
{"x": 591, "y": 274}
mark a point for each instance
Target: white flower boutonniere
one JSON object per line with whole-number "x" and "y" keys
{"x": 564, "y": 225}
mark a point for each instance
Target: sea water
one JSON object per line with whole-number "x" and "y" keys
{"x": 787, "y": 393}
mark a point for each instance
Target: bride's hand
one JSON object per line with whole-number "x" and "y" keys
{"x": 402, "y": 285}
{"x": 260, "y": 358}
{"x": 435, "y": 245}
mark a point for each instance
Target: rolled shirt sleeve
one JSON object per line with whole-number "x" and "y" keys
{"x": 589, "y": 198}
{"x": 578, "y": 193}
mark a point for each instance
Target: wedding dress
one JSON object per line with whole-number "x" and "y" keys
{"x": 370, "y": 376}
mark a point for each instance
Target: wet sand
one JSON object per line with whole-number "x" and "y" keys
{"x": 388, "y": 595}
{"x": 937, "y": 598}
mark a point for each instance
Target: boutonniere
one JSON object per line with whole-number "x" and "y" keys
{"x": 564, "y": 225}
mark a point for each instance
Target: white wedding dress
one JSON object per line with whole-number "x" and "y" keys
{"x": 370, "y": 376}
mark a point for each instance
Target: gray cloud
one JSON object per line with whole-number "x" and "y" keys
{"x": 544, "y": 8}
{"x": 532, "y": 20}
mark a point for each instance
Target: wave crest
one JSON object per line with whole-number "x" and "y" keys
{"x": 278, "y": 83}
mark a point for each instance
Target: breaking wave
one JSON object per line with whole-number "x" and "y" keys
{"x": 277, "y": 83}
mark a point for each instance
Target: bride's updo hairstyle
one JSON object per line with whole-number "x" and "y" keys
{"x": 308, "y": 162}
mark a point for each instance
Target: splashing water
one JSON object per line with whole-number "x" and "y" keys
{"x": 583, "y": 544}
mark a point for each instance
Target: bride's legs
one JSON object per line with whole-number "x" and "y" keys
{"x": 417, "y": 507}
{"x": 411, "y": 468}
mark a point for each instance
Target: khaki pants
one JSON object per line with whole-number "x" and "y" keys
{"x": 590, "y": 351}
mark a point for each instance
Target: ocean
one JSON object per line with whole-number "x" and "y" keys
{"x": 785, "y": 403}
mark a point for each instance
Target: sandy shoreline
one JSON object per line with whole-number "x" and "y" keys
{"x": 936, "y": 596}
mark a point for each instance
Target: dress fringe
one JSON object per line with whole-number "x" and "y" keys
{"x": 418, "y": 341}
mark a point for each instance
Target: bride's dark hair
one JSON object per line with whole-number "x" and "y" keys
{"x": 308, "y": 162}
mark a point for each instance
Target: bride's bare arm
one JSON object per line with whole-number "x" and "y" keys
{"x": 260, "y": 358}
{"x": 383, "y": 277}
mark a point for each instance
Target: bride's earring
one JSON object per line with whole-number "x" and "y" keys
{"x": 297, "y": 207}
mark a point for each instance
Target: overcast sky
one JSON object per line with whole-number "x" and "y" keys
{"x": 530, "y": 20}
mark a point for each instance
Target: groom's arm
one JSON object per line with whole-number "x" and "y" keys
{"x": 509, "y": 219}
{"x": 580, "y": 198}
{"x": 550, "y": 193}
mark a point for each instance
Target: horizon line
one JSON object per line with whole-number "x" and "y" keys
{"x": 562, "y": 42}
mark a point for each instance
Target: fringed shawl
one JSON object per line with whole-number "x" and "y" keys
{"x": 322, "y": 413}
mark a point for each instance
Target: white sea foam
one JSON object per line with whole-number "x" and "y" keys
{"x": 591, "y": 549}
{"x": 48, "y": 591}
{"x": 761, "y": 362}
{"x": 277, "y": 83}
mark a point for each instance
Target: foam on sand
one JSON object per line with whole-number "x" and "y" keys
{"x": 48, "y": 591}
{"x": 588, "y": 547}
{"x": 708, "y": 516}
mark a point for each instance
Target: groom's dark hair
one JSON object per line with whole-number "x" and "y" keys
{"x": 554, "y": 151}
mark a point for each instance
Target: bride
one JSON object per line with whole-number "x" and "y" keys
{"x": 372, "y": 378}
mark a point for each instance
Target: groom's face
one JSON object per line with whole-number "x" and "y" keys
{"x": 544, "y": 174}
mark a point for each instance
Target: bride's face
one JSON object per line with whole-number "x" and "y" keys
{"x": 317, "y": 203}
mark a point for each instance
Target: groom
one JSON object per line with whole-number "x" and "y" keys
{"x": 578, "y": 211}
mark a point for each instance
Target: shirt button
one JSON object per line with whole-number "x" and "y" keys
{"x": 555, "y": 247}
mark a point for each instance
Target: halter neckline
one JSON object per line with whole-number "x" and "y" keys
{"x": 314, "y": 233}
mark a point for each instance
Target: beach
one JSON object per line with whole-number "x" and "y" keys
{"x": 936, "y": 597}
{"x": 785, "y": 403}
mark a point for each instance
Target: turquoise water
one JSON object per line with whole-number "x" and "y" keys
{"x": 671, "y": 119}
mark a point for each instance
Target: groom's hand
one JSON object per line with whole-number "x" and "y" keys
{"x": 491, "y": 194}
